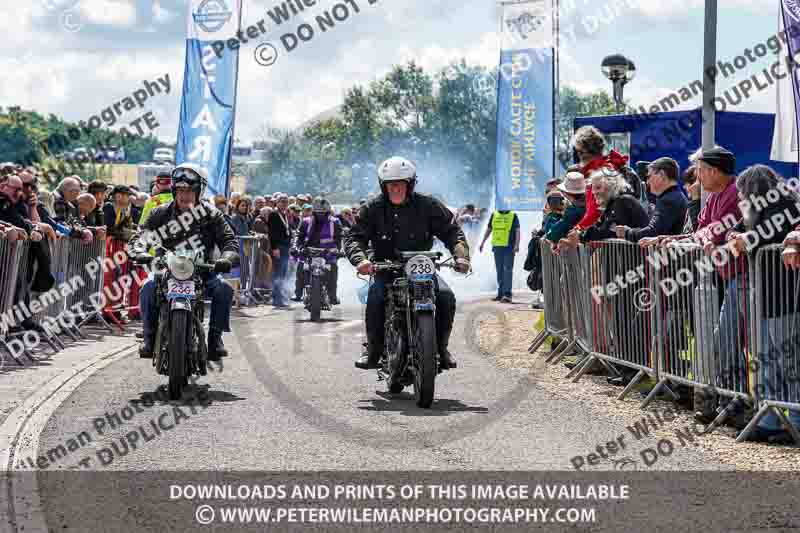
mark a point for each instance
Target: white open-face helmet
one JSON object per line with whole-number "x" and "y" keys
{"x": 397, "y": 169}
{"x": 193, "y": 175}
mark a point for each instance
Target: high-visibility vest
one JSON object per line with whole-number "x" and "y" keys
{"x": 501, "y": 228}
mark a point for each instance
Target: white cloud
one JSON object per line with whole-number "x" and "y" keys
{"x": 161, "y": 15}
{"x": 119, "y": 13}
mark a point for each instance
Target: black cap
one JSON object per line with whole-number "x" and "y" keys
{"x": 97, "y": 186}
{"x": 719, "y": 158}
{"x": 120, "y": 188}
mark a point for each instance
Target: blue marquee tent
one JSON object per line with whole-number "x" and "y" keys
{"x": 678, "y": 134}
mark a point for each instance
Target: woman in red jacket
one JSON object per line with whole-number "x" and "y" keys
{"x": 590, "y": 144}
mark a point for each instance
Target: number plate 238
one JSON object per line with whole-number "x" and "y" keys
{"x": 420, "y": 266}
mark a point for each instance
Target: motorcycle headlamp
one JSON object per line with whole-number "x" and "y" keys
{"x": 180, "y": 266}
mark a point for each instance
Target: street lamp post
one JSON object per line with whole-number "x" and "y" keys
{"x": 620, "y": 70}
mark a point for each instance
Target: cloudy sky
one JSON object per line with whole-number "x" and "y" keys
{"x": 74, "y": 58}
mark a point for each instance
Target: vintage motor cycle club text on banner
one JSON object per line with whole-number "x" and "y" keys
{"x": 525, "y": 106}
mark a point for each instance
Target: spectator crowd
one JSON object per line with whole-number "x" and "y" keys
{"x": 602, "y": 198}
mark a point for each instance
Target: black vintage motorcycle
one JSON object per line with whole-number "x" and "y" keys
{"x": 316, "y": 268}
{"x": 180, "y": 347}
{"x": 411, "y": 353}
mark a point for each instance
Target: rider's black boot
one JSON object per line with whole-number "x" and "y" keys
{"x": 146, "y": 350}
{"x": 215, "y": 347}
{"x": 369, "y": 359}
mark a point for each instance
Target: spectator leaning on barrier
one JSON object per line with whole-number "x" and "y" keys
{"x": 64, "y": 199}
{"x": 694, "y": 194}
{"x": 30, "y": 199}
{"x": 10, "y": 194}
{"x": 768, "y": 205}
{"x": 589, "y": 145}
{"x": 573, "y": 188}
{"x": 669, "y": 216}
{"x": 99, "y": 191}
{"x": 86, "y": 204}
{"x": 617, "y": 206}
{"x": 715, "y": 170}
{"x": 117, "y": 214}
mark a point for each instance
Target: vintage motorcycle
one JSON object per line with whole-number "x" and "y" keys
{"x": 180, "y": 347}
{"x": 316, "y": 268}
{"x": 411, "y": 353}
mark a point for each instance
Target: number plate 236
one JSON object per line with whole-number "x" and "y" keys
{"x": 180, "y": 289}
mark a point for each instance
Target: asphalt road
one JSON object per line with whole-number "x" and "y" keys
{"x": 289, "y": 398}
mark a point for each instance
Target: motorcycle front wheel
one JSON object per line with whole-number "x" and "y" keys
{"x": 179, "y": 322}
{"x": 425, "y": 364}
{"x": 315, "y": 303}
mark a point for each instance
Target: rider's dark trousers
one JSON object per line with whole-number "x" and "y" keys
{"x": 376, "y": 313}
{"x": 221, "y": 295}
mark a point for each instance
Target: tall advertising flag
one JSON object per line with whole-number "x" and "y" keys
{"x": 208, "y": 104}
{"x": 787, "y": 111}
{"x": 526, "y": 101}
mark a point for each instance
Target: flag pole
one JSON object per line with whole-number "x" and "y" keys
{"x": 709, "y": 65}
{"x": 233, "y": 122}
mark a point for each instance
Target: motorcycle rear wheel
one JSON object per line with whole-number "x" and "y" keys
{"x": 179, "y": 322}
{"x": 425, "y": 371}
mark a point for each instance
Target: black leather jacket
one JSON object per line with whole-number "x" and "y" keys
{"x": 384, "y": 229}
{"x": 207, "y": 223}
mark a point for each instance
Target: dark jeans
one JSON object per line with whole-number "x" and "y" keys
{"x": 280, "y": 271}
{"x": 504, "y": 264}
{"x": 376, "y": 313}
{"x": 221, "y": 295}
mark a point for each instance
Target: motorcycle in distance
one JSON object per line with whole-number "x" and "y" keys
{"x": 315, "y": 293}
{"x": 410, "y": 351}
{"x": 180, "y": 348}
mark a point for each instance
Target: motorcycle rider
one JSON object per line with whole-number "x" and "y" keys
{"x": 401, "y": 220}
{"x": 206, "y": 227}
{"x": 320, "y": 230}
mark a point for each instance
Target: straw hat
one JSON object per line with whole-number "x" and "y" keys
{"x": 574, "y": 183}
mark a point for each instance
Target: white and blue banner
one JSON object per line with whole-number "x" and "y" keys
{"x": 526, "y": 92}
{"x": 205, "y": 132}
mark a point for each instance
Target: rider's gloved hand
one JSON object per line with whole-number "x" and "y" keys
{"x": 222, "y": 266}
{"x": 365, "y": 268}
{"x": 294, "y": 252}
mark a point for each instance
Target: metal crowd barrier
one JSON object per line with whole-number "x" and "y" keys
{"x": 775, "y": 347}
{"x": 555, "y": 320}
{"x": 12, "y": 256}
{"x": 66, "y": 307}
{"x": 728, "y": 325}
{"x": 251, "y": 267}
{"x": 611, "y": 286}
{"x": 91, "y": 281}
{"x": 704, "y": 320}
